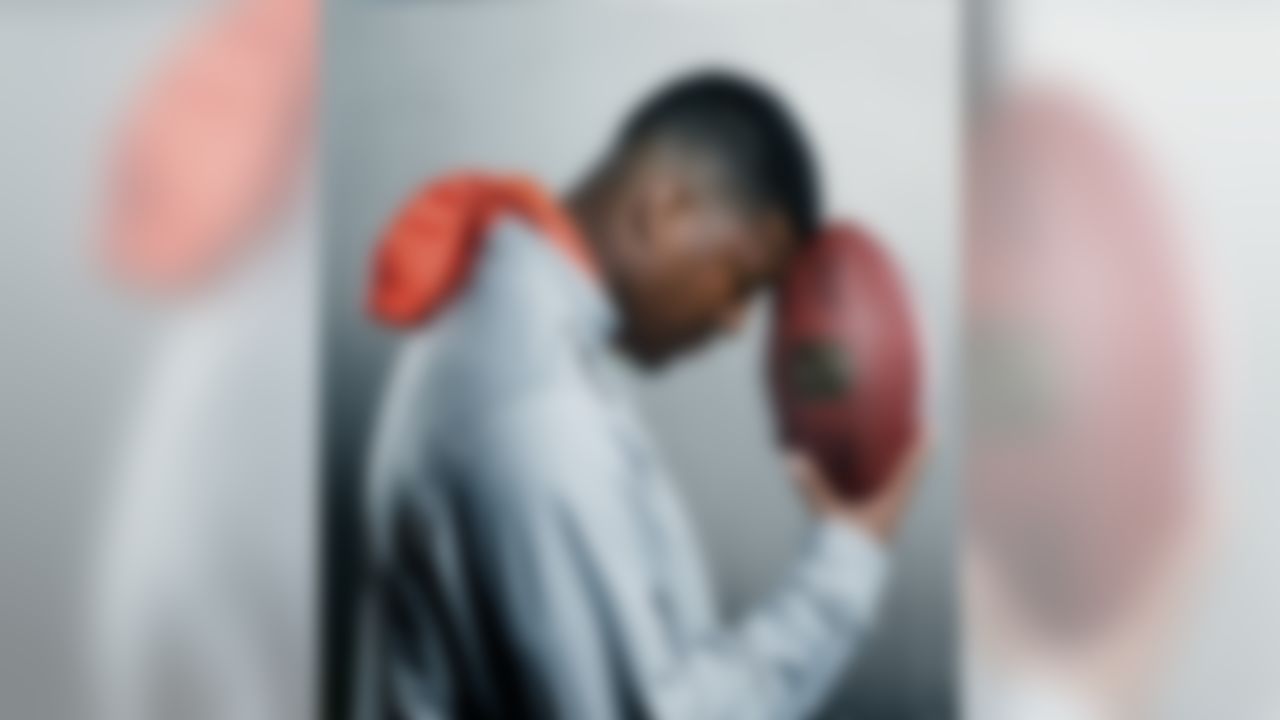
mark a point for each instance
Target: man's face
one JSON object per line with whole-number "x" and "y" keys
{"x": 689, "y": 266}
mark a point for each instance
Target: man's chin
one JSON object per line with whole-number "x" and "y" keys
{"x": 657, "y": 356}
{"x": 649, "y": 359}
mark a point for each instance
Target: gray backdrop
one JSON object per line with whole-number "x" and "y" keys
{"x": 415, "y": 90}
{"x": 75, "y": 347}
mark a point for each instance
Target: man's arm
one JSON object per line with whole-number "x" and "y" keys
{"x": 587, "y": 637}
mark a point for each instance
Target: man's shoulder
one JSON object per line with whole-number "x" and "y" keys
{"x": 508, "y": 333}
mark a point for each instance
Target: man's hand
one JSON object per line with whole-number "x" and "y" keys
{"x": 878, "y": 514}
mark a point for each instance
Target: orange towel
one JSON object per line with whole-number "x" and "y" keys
{"x": 426, "y": 253}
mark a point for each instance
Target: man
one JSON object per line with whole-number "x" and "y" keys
{"x": 530, "y": 557}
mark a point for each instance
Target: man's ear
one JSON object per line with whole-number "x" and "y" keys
{"x": 664, "y": 199}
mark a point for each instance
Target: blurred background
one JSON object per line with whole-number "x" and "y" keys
{"x": 1148, "y": 588}
{"x": 72, "y": 346}
{"x": 156, "y": 475}
{"x": 416, "y": 90}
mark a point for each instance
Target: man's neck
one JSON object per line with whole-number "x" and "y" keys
{"x": 585, "y": 205}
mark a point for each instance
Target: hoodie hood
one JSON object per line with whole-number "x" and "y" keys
{"x": 425, "y": 255}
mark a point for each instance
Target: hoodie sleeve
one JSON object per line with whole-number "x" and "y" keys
{"x": 579, "y": 623}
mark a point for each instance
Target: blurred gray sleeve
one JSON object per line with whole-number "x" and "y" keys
{"x": 576, "y": 603}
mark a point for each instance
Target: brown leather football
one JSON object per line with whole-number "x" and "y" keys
{"x": 845, "y": 366}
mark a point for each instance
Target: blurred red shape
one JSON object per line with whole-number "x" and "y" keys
{"x": 207, "y": 152}
{"x": 1081, "y": 363}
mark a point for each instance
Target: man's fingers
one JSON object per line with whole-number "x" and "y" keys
{"x": 908, "y": 470}
{"x": 805, "y": 473}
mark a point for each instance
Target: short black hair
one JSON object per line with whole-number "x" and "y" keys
{"x": 747, "y": 130}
